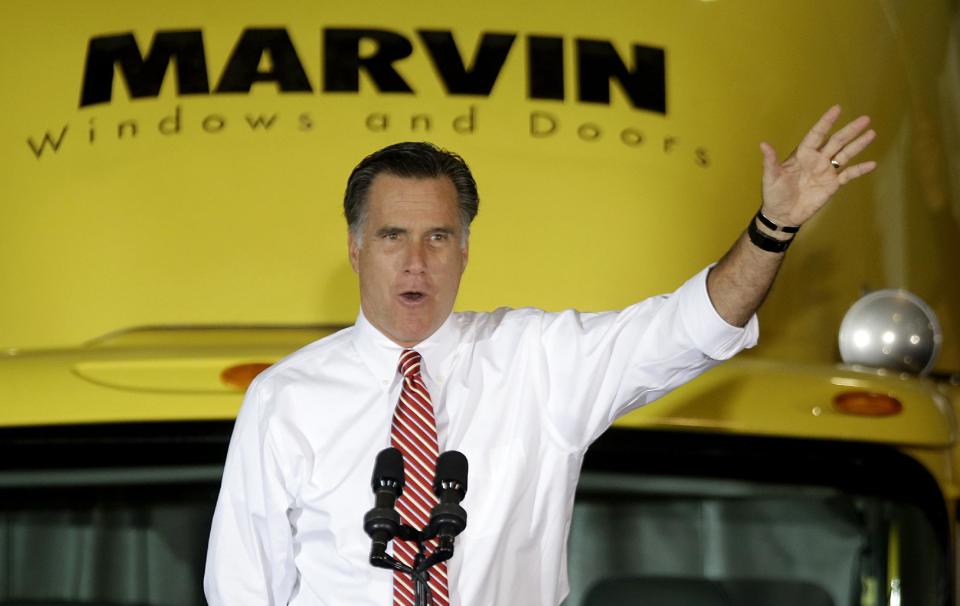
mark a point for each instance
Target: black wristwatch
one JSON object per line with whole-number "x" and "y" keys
{"x": 765, "y": 242}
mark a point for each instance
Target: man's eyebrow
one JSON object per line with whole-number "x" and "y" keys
{"x": 387, "y": 230}
{"x": 390, "y": 229}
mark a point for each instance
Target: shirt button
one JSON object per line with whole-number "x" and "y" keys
{"x": 384, "y": 381}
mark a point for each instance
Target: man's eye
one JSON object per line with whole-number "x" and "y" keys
{"x": 440, "y": 237}
{"x": 391, "y": 236}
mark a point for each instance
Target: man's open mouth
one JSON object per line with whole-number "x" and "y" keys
{"x": 412, "y": 296}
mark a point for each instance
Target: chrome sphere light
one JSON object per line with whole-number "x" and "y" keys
{"x": 891, "y": 329}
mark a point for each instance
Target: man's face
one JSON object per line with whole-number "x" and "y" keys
{"x": 411, "y": 256}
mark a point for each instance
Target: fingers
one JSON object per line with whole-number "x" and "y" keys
{"x": 858, "y": 170}
{"x": 844, "y": 145}
{"x": 770, "y": 161}
{"x": 818, "y": 133}
{"x": 842, "y": 137}
{"x": 850, "y": 151}
{"x": 813, "y": 153}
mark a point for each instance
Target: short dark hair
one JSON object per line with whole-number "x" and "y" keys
{"x": 415, "y": 160}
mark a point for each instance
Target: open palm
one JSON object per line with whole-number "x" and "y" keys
{"x": 794, "y": 190}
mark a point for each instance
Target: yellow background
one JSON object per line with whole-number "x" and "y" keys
{"x": 244, "y": 227}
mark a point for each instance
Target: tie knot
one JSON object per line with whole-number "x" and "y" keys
{"x": 409, "y": 364}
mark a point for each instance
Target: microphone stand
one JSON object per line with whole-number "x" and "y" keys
{"x": 422, "y": 562}
{"x": 447, "y": 518}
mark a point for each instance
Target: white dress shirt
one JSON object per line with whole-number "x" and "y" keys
{"x": 521, "y": 393}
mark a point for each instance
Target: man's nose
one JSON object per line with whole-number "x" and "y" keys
{"x": 415, "y": 259}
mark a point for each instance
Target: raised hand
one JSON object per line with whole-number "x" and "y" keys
{"x": 794, "y": 190}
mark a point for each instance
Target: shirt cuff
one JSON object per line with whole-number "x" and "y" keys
{"x": 710, "y": 333}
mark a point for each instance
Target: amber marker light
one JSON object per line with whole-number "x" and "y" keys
{"x": 240, "y": 376}
{"x": 867, "y": 404}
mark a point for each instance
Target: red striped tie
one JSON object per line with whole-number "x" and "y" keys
{"x": 414, "y": 432}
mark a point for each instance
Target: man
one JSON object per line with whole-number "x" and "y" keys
{"x": 521, "y": 393}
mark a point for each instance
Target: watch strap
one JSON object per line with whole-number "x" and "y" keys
{"x": 765, "y": 242}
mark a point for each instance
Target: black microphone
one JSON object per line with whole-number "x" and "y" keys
{"x": 383, "y": 522}
{"x": 448, "y": 519}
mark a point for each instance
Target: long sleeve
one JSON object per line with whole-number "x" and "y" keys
{"x": 250, "y": 554}
{"x": 601, "y": 365}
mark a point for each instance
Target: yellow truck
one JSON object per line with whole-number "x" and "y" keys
{"x": 171, "y": 195}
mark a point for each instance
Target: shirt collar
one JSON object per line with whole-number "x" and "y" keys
{"x": 381, "y": 355}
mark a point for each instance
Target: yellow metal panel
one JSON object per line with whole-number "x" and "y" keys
{"x": 224, "y": 208}
{"x": 147, "y": 375}
{"x": 776, "y": 399}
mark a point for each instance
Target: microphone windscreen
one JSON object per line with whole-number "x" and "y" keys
{"x": 451, "y": 468}
{"x": 388, "y": 468}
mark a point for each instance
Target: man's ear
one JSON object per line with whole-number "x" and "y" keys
{"x": 464, "y": 256}
{"x": 353, "y": 251}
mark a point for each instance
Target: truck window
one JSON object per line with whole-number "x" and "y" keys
{"x": 665, "y": 519}
{"x": 115, "y": 515}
